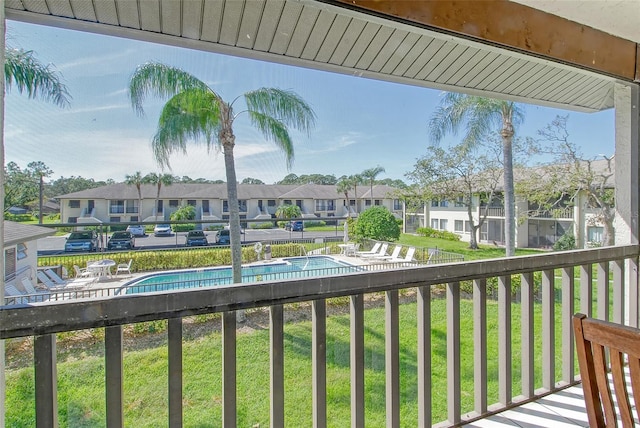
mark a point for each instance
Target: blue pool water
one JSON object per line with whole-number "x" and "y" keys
{"x": 296, "y": 267}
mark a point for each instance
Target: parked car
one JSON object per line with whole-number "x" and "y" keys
{"x": 137, "y": 230}
{"x": 196, "y": 237}
{"x": 223, "y": 237}
{"x": 296, "y": 226}
{"x": 84, "y": 240}
{"x": 162, "y": 230}
{"x": 121, "y": 241}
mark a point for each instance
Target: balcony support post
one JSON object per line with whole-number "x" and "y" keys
{"x": 603, "y": 290}
{"x": 174, "y": 339}
{"x": 424, "y": 356}
{"x": 586, "y": 289}
{"x": 453, "y": 353}
{"x": 480, "y": 345}
{"x": 392, "y": 358}
{"x": 357, "y": 361}
{"x": 568, "y": 309}
{"x": 505, "y": 389}
{"x": 229, "y": 367}
{"x": 319, "y": 362}
{"x": 526, "y": 331}
{"x": 114, "y": 375}
{"x": 618, "y": 291}
{"x": 548, "y": 331}
{"x": 46, "y": 395}
{"x": 276, "y": 335}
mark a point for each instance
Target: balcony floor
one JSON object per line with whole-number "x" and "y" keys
{"x": 564, "y": 409}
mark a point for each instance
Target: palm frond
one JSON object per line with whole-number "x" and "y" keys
{"x": 191, "y": 115}
{"x": 160, "y": 80}
{"x": 28, "y": 75}
{"x": 275, "y": 131}
{"x": 286, "y": 107}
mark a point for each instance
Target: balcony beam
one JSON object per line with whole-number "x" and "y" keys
{"x": 276, "y": 336}
{"x": 357, "y": 361}
{"x": 527, "y": 335}
{"x": 568, "y": 310}
{"x": 392, "y": 358}
{"x": 174, "y": 339}
{"x": 453, "y": 353}
{"x": 46, "y": 380}
{"x": 548, "y": 330}
{"x": 114, "y": 375}
{"x": 480, "y": 348}
{"x": 504, "y": 341}
{"x": 319, "y": 362}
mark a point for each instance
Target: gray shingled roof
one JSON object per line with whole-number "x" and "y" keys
{"x": 15, "y": 233}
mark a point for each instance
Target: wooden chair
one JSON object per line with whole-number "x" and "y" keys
{"x": 594, "y": 338}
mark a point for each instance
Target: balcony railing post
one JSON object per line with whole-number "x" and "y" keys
{"x": 568, "y": 309}
{"x": 453, "y": 353}
{"x": 634, "y": 293}
{"x": 618, "y": 291}
{"x": 46, "y": 395}
{"x": 174, "y": 338}
{"x": 229, "y": 369}
{"x": 505, "y": 388}
{"x": 480, "y": 345}
{"x": 392, "y": 358}
{"x": 586, "y": 289}
{"x": 276, "y": 334}
{"x": 357, "y": 361}
{"x": 319, "y": 362}
{"x": 603, "y": 290}
{"x": 548, "y": 331}
{"x": 526, "y": 330}
{"x": 424, "y": 356}
{"x": 114, "y": 375}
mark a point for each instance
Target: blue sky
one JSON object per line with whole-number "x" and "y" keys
{"x": 361, "y": 123}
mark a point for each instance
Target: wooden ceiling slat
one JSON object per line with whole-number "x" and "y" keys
{"x": 388, "y": 49}
{"x": 424, "y": 57}
{"x": 171, "y": 17}
{"x": 268, "y": 25}
{"x": 150, "y": 15}
{"x": 435, "y": 60}
{"x": 318, "y": 34}
{"x": 87, "y": 12}
{"x": 462, "y": 66}
{"x": 412, "y": 56}
{"x": 211, "y": 21}
{"x": 436, "y": 73}
{"x": 231, "y": 17}
{"x": 510, "y": 72}
{"x": 349, "y": 42}
{"x": 286, "y": 26}
{"x": 60, "y": 8}
{"x": 405, "y": 47}
{"x": 330, "y": 42}
{"x": 360, "y": 45}
{"x": 128, "y": 14}
{"x": 302, "y": 32}
{"x": 249, "y": 24}
{"x": 36, "y": 6}
{"x": 373, "y": 50}
{"x": 192, "y": 19}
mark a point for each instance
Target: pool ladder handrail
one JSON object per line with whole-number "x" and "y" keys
{"x": 303, "y": 251}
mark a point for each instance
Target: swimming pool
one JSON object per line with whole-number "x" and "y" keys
{"x": 295, "y": 267}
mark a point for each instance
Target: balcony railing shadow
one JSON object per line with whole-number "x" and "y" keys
{"x": 546, "y": 282}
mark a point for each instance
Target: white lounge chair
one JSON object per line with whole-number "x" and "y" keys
{"x": 60, "y": 284}
{"x": 33, "y": 294}
{"x": 408, "y": 258}
{"x": 124, "y": 267}
{"x": 13, "y": 296}
{"x": 380, "y": 253}
{"x": 372, "y": 251}
{"x": 394, "y": 254}
{"x": 55, "y": 277}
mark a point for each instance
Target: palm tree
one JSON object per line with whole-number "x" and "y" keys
{"x": 27, "y": 74}
{"x": 158, "y": 180}
{"x": 136, "y": 179}
{"x": 371, "y": 174}
{"x": 482, "y": 116}
{"x": 355, "y": 179}
{"x": 343, "y": 186}
{"x": 196, "y": 112}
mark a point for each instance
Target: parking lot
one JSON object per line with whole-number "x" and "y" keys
{"x": 55, "y": 244}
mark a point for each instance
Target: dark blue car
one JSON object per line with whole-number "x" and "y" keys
{"x": 296, "y": 226}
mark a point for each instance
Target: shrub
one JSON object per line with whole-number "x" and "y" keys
{"x": 311, "y": 223}
{"x": 377, "y": 223}
{"x": 440, "y": 234}
{"x": 566, "y": 242}
{"x": 264, "y": 225}
{"x": 183, "y": 227}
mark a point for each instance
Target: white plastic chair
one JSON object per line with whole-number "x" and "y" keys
{"x": 124, "y": 267}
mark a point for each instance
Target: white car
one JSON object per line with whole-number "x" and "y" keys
{"x": 162, "y": 229}
{"x": 136, "y": 230}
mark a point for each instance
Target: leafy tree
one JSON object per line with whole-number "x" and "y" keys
{"x": 289, "y": 179}
{"x": 158, "y": 180}
{"x": 398, "y": 184}
{"x": 559, "y": 183}
{"x": 19, "y": 187}
{"x": 377, "y": 223}
{"x": 65, "y": 185}
{"x": 250, "y": 180}
{"x": 370, "y": 175}
{"x": 23, "y": 71}
{"x": 136, "y": 179}
{"x": 482, "y": 117}
{"x": 343, "y": 187}
{"x": 458, "y": 174}
{"x": 288, "y": 211}
{"x": 39, "y": 170}
{"x": 185, "y": 212}
{"x": 196, "y": 112}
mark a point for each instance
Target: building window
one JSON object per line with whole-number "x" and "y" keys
{"x": 443, "y": 224}
{"x": 72, "y": 220}
{"x": 458, "y": 225}
{"x": 74, "y": 203}
{"x": 377, "y": 202}
{"x": 352, "y": 202}
{"x": 114, "y": 219}
{"x": 116, "y": 207}
{"x": 9, "y": 262}
{"x": 225, "y": 206}
{"x": 133, "y": 218}
{"x": 467, "y": 226}
{"x": 131, "y": 206}
{"x": 459, "y": 202}
{"x": 173, "y": 203}
{"x": 595, "y": 234}
{"x": 325, "y": 204}
{"x": 191, "y": 202}
{"x": 397, "y": 204}
{"x": 22, "y": 251}
{"x": 434, "y": 223}
{"x": 242, "y": 205}
{"x": 287, "y": 201}
{"x": 271, "y": 203}
{"x": 439, "y": 203}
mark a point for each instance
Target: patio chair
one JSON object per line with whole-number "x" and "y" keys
{"x": 394, "y": 255}
{"x": 13, "y": 296}
{"x": 82, "y": 272}
{"x": 408, "y": 258}
{"x": 33, "y": 294}
{"x": 124, "y": 267}
{"x": 372, "y": 251}
{"x": 55, "y": 277}
{"x": 48, "y": 282}
{"x": 594, "y": 338}
{"x": 381, "y": 252}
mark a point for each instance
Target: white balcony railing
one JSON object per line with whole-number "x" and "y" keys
{"x": 601, "y": 292}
